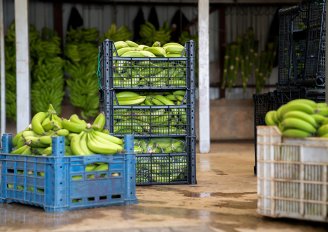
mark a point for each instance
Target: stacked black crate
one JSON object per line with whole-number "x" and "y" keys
{"x": 301, "y": 72}
{"x": 166, "y": 132}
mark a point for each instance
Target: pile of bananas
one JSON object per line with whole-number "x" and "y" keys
{"x": 125, "y": 98}
{"x": 116, "y": 34}
{"x": 149, "y": 34}
{"x": 159, "y": 145}
{"x": 48, "y": 75}
{"x": 81, "y": 53}
{"x": 81, "y": 138}
{"x": 300, "y": 118}
{"x": 129, "y": 48}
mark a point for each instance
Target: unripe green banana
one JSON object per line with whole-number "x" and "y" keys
{"x": 295, "y": 133}
{"x": 19, "y": 150}
{"x": 47, "y": 151}
{"x": 172, "y": 43}
{"x": 296, "y": 123}
{"x": 27, "y": 151}
{"x": 101, "y": 167}
{"x": 98, "y": 147}
{"x": 75, "y": 145}
{"x": 75, "y": 118}
{"x": 319, "y": 119}
{"x": 73, "y": 126}
{"x": 83, "y": 144}
{"x": 126, "y": 94}
{"x": 16, "y": 138}
{"x": 321, "y": 104}
{"x": 122, "y": 51}
{"x": 120, "y": 44}
{"x": 158, "y": 51}
{"x": 46, "y": 139}
{"x": 62, "y": 132}
{"x": 323, "y": 130}
{"x": 99, "y": 122}
{"x": 47, "y": 124}
{"x": 36, "y": 122}
{"x": 157, "y": 102}
{"x": 292, "y": 107}
{"x": 57, "y": 121}
{"x": 124, "y": 101}
{"x": 308, "y": 102}
{"x": 90, "y": 167}
{"x": 171, "y": 97}
{"x": 301, "y": 115}
{"x": 29, "y": 133}
{"x": 164, "y": 100}
{"x": 322, "y": 111}
{"x": 101, "y": 139}
{"x": 324, "y": 136}
{"x": 270, "y": 118}
{"x": 108, "y": 137}
{"x": 131, "y": 43}
{"x": 179, "y": 93}
{"x": 174, "y": 49}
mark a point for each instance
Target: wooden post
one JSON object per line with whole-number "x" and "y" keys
{"x": 22, "y": 65}
{"x": 203, "y": 86}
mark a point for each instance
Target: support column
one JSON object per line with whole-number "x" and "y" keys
{"x": 203, "y": 76}
{"x": 22, "y": 65}
{"x": 3, "y": 73}
{"x": 326, "y": 55}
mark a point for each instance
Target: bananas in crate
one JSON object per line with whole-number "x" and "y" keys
{"x": 125, "y": 98}
{"x": 300, "y": 118}
{"x": 145, "y": 120}
{"x": 159, "y": 145}
{"x": 81, "y": 138}
{"x": 129, "y": 48}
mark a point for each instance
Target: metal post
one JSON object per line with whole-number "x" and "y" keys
{"x": 203, "y": 86}
{"x": 3, "y": 73}
{"x": 22, "y": 65}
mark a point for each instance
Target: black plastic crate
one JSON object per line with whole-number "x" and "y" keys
{"x": 302, "y": 45}
{"x": 145, "y": 73}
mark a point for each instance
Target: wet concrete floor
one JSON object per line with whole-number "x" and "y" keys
{"x": 224, "y": 199}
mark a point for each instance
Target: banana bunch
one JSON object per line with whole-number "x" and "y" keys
{"x": 47, "y": 75}
{"x": 81, "y": 53}
{"x": 149, "y": 33}
{"x": 159, "y": 145}
{"x": 300, "y": 118}
{"x": 81, "y": 138}
{"x": 129, "y": 48}
{"x": 117, "y": 34}
{"x": 149, "y": 99}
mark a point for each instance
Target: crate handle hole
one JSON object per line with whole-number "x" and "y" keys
{"x": 91, "y": 199}
{"x": 30, "y": 172}
{"x": 76, "y": 200}
{"x": 79, "y": 177}
{"x": 10, "y": 186}
{"x": 116, "y": 174}
{"x": 103, "y": 198}
{"x": 40, "y": 190}
{"x": 116, "y": 196}
{"x": 91, "y": 176}
{"x": 103, "y": 175}
{"x": 10, "y": 170}
{"x": 20, "y": 172}
{"x": 40, "y": 173}
{"x": 20, "y": 187}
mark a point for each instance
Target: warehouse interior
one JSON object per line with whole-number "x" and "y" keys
{"x": 221, "y": 187}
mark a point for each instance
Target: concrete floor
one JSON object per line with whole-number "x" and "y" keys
{"x": 223, "y": 200}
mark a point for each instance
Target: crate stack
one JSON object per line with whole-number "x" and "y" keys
{"x": 301, "y": 66}
{"x": 165, "y": 142}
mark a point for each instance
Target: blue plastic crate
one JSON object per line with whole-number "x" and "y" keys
{"x": 59, "y": 183}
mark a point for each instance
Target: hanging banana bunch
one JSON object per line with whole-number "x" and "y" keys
{"x": 149, "y": 34}
{"x": 117, "y": 34}
{"x": 81, "y": 53}
{"x": 47, "y": 76}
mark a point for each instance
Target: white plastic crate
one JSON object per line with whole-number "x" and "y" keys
{"x": 292, "y": 176}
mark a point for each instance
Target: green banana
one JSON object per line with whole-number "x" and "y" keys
{"x": 296, "y": 123}
{"x": 295, "y": 133}
{"x": 120, "y": 44}
{"x": 270, "y": 118}
{"x": 309, "y": 102}
{"x": 157, "y": 51}
{"x": 47, "y": 151}
{"x": 322, "y": 111}
{"x": 164, "y": 100}
{"x": 19, "y": 150}
{"x": 75, "y": 145}
{"x": 99, "y": 147}
{"x": 47, "y": 124}
{"x": 101, "y": 167}
{"x": 298, "y": 106}
{"x": 73, "y": 126}
{"x": 108, "y": 137}
{"x": 174, "y": 49}
{"x": 127, "y": 94}
{"x": 62, "y": 132}
{"x": 75, "y": 118}
{"x": 319, "y": 119}
{"x": 179, "y": 93}
{"x": 301, "y": 115}
{"x": 99, "y": 122}
{"x": 36, "y": 122}
{"x": 323, "y": 130}
{"x": 122, "y": 51}
{"x": 27, "y": 151}
{"x": 131, "y": 100}
{"x": 171, "y": 97}
{"x": 46, "y": 139}
{"x": 106, "y": 141}
{"x": 131, "y": 43}
{"x": 16, "y": 138}
{"x": 83, "y": 144}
